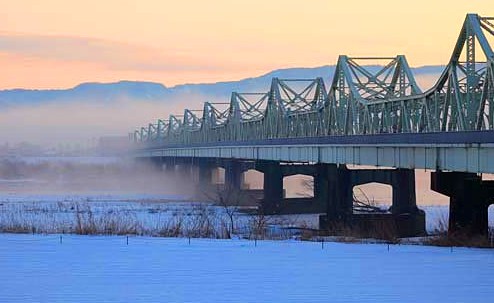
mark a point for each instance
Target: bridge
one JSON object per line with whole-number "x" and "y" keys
{"x": 369, "y": 116}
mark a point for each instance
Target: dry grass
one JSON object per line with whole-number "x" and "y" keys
{"x": 352, "y": 232}
{"x": 199, "y": 221}
{"x": 205, "y": 221}
{"x": 86, "y": 223}
{"x": 460, "y": 240}
{"x": 17, "y": 228}
{"x": 441, "y": 237}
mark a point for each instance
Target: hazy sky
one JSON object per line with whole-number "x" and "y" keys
{"x": 60, "y": 43}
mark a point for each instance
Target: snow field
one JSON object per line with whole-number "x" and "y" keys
{"x": 37, "y": 268}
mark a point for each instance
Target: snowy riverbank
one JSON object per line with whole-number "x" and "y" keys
{"x": 59, "y": 213}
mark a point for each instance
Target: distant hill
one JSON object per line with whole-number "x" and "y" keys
{"x": 137, "y": 90}
{"x": 100, "y": 92}
{"x": 262, "y": 83}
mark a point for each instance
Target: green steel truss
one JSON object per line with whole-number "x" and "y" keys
{"x": 362, "y": 99}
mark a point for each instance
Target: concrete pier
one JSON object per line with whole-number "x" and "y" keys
{"x": 470, "y": 198}
{"x": 234, "y": 175}
{"x": 273, "y": 186}
{"x": 405, "y": 219}
{"x": 333, "y": 191}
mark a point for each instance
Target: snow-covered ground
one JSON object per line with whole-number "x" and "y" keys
{"x": 37, "y": 268}
{"x": 161, "y": 215}
{"x": 54, "y": 212}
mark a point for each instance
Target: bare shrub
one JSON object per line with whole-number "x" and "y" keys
{"x": 442, "y": 237}
{"x": 119, "y": 224}
{"x": 258, "y": 224}
{"x": 84, "y": 220}
{"x": 174, "y": 227}
{"x": 202, "y": 226}
{"x": 459, "y": 239}
{"x": 229, "y": 200}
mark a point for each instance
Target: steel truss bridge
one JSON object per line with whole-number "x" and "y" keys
{"x": 367, "y": 116}
{"x": 360, "y": 102}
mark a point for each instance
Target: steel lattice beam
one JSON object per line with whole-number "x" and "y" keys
{"x": 360, "y": 100}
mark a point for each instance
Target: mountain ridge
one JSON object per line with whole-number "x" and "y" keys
{"x": 154, "y": 91}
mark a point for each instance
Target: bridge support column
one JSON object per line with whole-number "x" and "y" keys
{"x": 469, "y": 199}
{"x": 409, "y": 219}
{"x": 233, "y": 175}
{"x": 405, "y": 219}
{"x": 275, "y": 202}
{"x": 169, "y": 166}
{"x": 183, "y": 170}
{"x": 321, "y": 185}
{"x": 158, "y": 163}
{"x": 273, "y": 186}
{"x": 404, "y": 197}
{"x": 205, "y": 174}
{"x": 205, "y": 178}
{"x": 341, "y": 193}
{"x": 339, "y": 199}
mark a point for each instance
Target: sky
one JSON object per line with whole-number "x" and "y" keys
{"x": 60, "y": 43}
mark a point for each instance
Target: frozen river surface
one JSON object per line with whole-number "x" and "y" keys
{"x": 38, "y": 268}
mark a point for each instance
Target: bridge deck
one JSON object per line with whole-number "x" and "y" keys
{"x": 470, "y": 151}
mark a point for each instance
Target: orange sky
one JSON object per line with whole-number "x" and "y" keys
{"x": 60, "y": 43}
